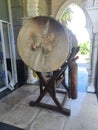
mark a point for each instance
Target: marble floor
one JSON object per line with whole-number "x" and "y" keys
{"x": 14, "y": 110}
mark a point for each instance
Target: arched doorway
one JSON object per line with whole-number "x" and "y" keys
{"x": 85, "y": 37}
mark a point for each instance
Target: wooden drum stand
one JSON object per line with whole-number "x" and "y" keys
{"x": 43, "y": 45}
{"x": 49, "y": 84}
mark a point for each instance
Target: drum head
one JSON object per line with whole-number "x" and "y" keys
{"x": 43, "y": 44}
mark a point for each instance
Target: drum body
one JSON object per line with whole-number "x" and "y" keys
{"x": 43, "y": 44}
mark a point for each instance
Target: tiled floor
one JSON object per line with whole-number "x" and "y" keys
{"x": 14, "y": 110}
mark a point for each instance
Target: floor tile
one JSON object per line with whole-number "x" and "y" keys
{"x": 21, "y": 116}
{"x": 15, "y": 110}
{"x": 46, "y": 120}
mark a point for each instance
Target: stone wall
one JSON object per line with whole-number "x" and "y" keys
{"x": 44, "y": 7}
{"x": 92, "y": 10}
{"x": 33, "y": 8}
{"x": 55, "y": 5}
{"x": 17, "y": 14}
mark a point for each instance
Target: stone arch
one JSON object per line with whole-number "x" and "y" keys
{"x": 65, "y": 4}
{"x": 89, "y": 26}
{"x": 62, "y": 8}
{"x": 81, "y": 4}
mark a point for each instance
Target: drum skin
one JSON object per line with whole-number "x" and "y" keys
{"x": 43, "y": 44}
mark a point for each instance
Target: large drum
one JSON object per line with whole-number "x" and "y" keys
{"x": 43, "y": 44}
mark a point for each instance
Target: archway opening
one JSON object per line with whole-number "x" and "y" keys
{"x": 74, "y": 18}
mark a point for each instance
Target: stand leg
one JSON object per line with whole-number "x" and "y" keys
{"x": 64, "y": 111}
{"x": 50, "y": 88}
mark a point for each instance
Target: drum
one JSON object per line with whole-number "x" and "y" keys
{"x": 43, "y": 44}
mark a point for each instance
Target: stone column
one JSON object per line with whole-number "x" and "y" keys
{"x": 92, "y": 12}
{"x": 32, "y": 8}
{"x": 91, "y": 86}
{"x": 90, "y": 62}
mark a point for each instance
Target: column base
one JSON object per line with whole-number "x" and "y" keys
{"x": 91, "y": 89}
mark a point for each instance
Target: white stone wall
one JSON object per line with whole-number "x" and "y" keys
{"x": 96, "y": 3}
{"x": 93, "y": 14}
{"x": 32, "y": 8}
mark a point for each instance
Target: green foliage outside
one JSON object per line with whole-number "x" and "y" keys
{"x": 66, "y": 16}
{"x": 84, "y": 48}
